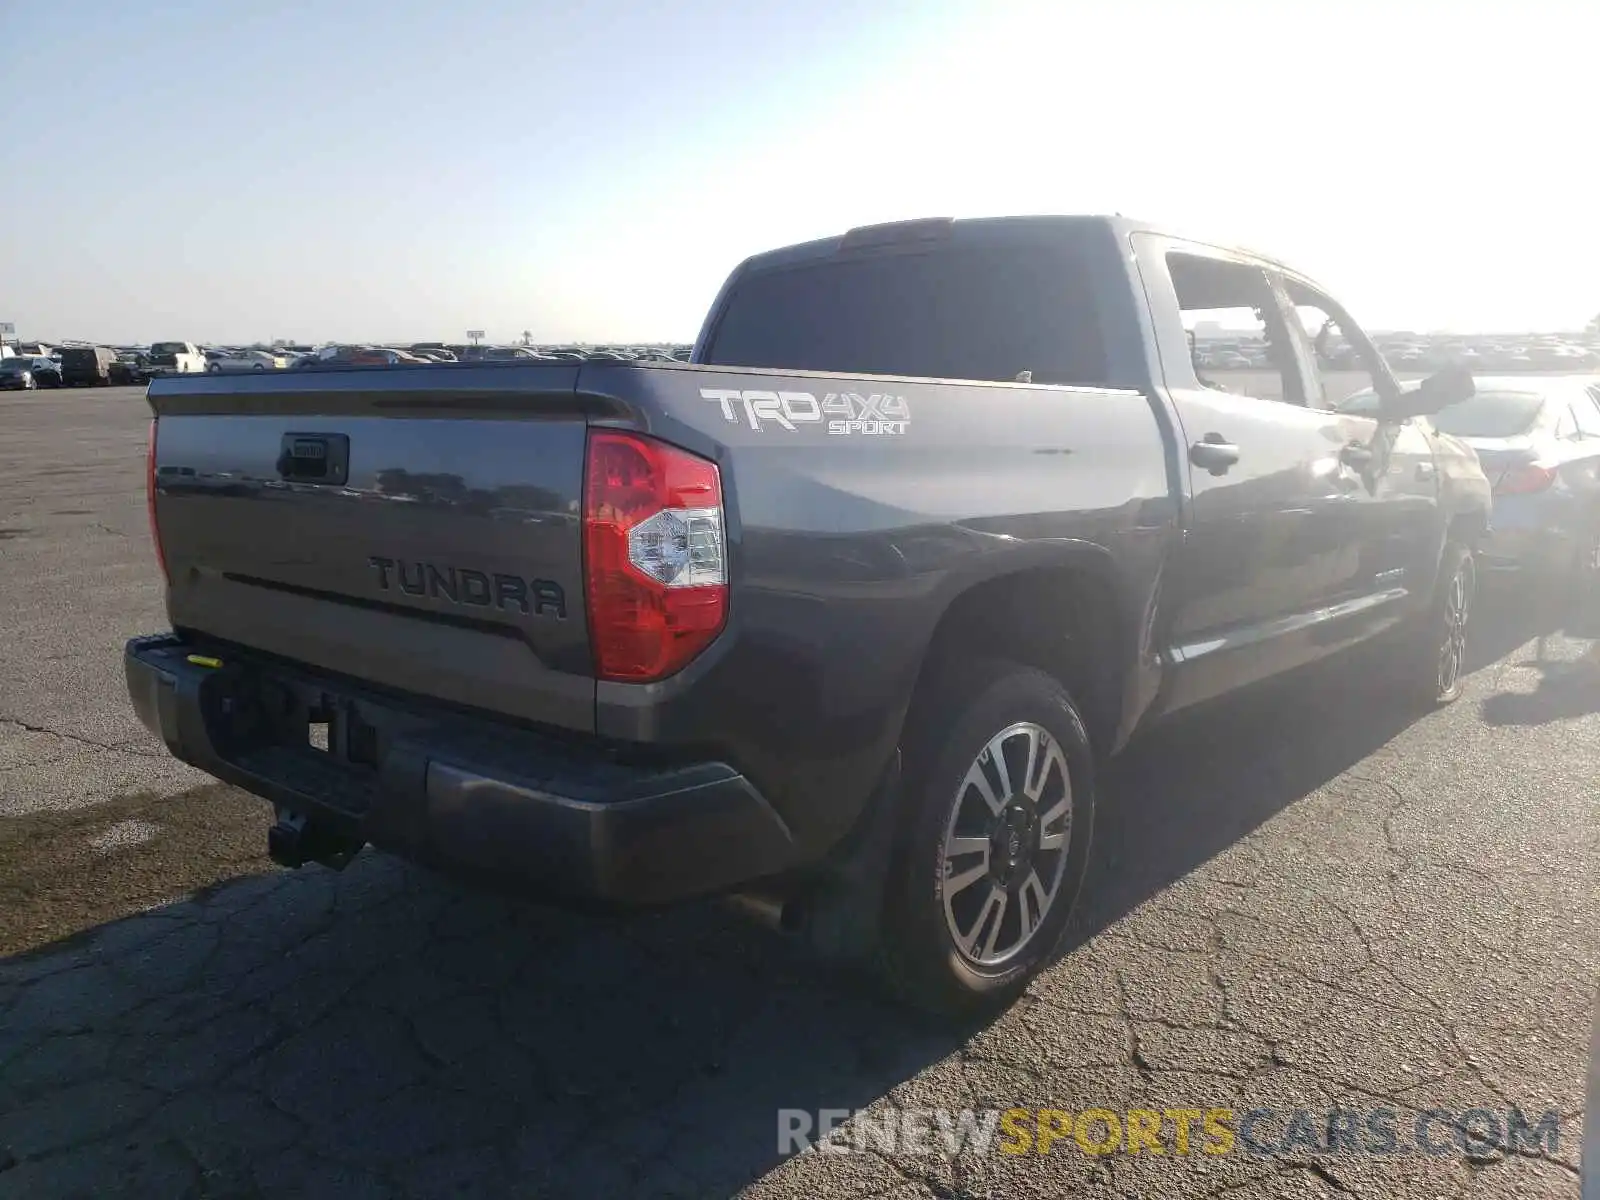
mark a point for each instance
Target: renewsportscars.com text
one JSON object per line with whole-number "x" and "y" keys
{"x": 1173, "y": 1131}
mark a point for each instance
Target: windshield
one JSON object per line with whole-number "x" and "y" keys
{"x": 1491, "y": 415}
{"x": 168, "y": 348}
{"x": 952, "y": 314}
{"x": 15, "y": 364}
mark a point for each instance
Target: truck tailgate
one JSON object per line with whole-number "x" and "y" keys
{"x": 416, "y": 528}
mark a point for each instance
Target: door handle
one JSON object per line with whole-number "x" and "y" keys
{"x": 1211, "y": 453}
{"x": 1355, "y": 455}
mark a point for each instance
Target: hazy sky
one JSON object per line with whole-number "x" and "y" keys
{"x": 241, "y": 169}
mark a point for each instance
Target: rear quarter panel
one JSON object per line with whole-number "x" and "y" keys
{"x": 849, "y": 544}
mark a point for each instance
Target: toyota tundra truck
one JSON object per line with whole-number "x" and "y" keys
{"x": 839, "y": 618}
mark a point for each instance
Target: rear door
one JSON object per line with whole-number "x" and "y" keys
{"x": 1273, "y": 518}
{"x": 423, "y": 534}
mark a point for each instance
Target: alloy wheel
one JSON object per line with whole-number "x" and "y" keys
{"x": 1006, "y": 844}
{"x": 1453, "y": 645}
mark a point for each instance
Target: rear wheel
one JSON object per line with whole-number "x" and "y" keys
{"x": 998, "y": 819}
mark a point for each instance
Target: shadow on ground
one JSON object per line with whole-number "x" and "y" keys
{"x": 1569, "y": 687}
{"x": 383, "y": 1032}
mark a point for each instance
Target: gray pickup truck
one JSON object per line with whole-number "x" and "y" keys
{"x": 838, "y": 617}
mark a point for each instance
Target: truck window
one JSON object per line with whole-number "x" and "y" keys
{"x": 1341, "y": 359}
{"x": 986, "y": 314}
{"x": 1237, "y": 333}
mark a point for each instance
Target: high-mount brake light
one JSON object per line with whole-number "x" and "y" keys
{"x": 150, "y": 501}
{"x": 922, "y": 230}
{"x": 655, "y": 555}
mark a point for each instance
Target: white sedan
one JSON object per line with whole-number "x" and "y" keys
{"x": 247, "y": 360}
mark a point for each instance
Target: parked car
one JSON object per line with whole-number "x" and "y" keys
{"x": 384, "y": 356}
{"x": 839, "y": 616}
{"x": 16, "y": 373}
{"x": 131, "y": 367}
{"x": 247, "y": 360}
{"x": 27, "y": 371}
{"x": 360, "y": 356}
{"x": 434, "y": 352}
{"x": 1229, "y": 360}
{"x": 176, "y": 358}
{"x": 1538, "y": 439}
{"x": 87, "y": 366}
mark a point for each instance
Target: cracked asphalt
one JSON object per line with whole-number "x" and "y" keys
{"x": 1306, "y": 897}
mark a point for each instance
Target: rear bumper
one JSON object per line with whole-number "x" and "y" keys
{"x": 469, "y": 795}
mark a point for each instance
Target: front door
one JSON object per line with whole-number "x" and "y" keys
{"x": 1390, "y": 463}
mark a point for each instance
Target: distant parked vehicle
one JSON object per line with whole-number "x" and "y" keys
{"x": 247, "y": 360}
{"x": 384, "y": 356}
{"x": 87, "y": 366}
{"x": 131, "y": 367}
{"x": 359, "y": 356}
{"x": 46, "y": 370}
{"x": 1538, "y": 440}
{"x": 1228, "y": 360}
{"x": 176, "y": 358}
{"x": 434, "y": 352}
{"x": 28, "y": 371}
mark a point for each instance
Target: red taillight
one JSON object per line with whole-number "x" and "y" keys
{"x": 1521, "y": 481}
{"x": 150, "y": 501}
{"x": 655, "y": 556}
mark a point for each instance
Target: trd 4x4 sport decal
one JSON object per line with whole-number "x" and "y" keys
{"x": 845, "y": 413}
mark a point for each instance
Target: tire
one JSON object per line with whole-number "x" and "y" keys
{"x": 213, "y": 369}
{"x": 1433, "y": 649}
{"x": 958, "y": 950}
{"x": 258, "y": 367}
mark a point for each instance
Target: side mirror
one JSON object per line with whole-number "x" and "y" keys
{"x": 1446, "y": 386}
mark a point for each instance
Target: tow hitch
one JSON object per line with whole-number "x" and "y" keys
{"x": 294, "y": 841}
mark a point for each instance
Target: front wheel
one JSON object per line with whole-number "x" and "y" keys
{"x": 999, "y": 812}
{"x": 1433, "y": 649}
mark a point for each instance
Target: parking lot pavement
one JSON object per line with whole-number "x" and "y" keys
{"x": 1305, "y": 898}
{"x": 76, "y": 581}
